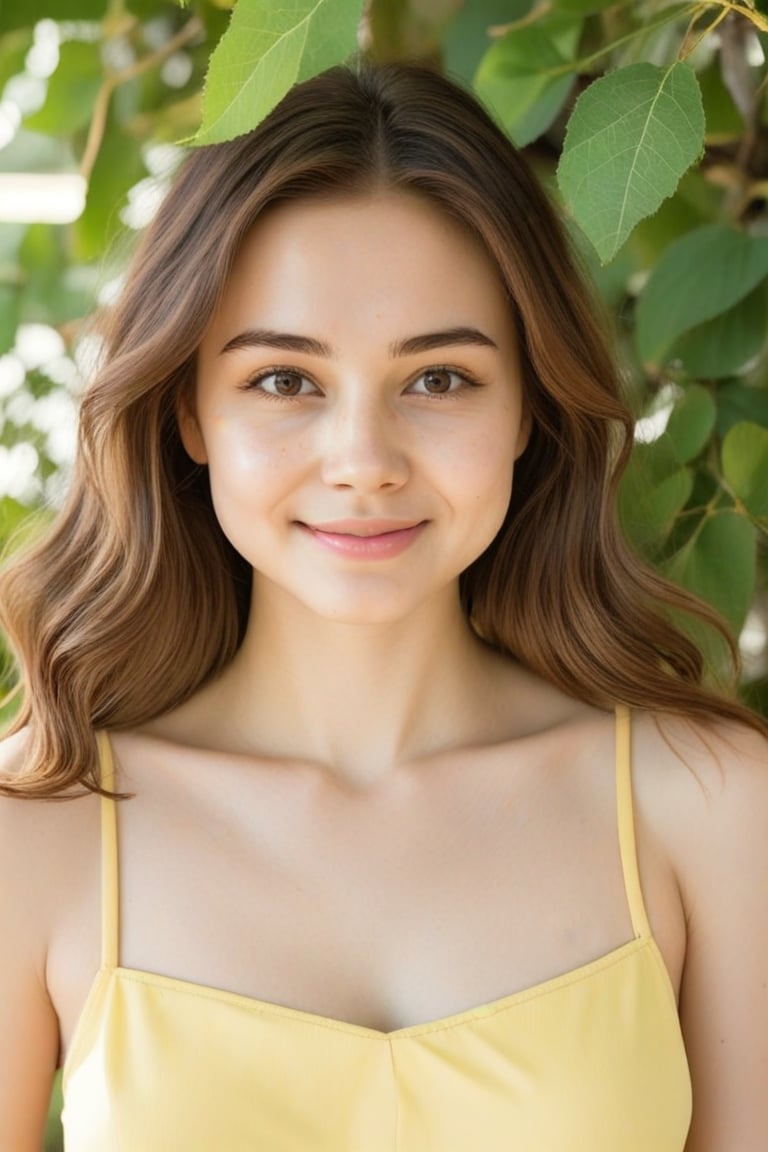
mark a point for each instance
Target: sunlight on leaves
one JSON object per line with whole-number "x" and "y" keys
{"x": 268, "y": 47}
{"x": 630, "y": 138}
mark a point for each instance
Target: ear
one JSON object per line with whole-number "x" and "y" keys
{"x": 189, "y": 427}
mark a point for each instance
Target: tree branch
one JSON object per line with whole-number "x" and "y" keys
{"x": 190, "y": 31}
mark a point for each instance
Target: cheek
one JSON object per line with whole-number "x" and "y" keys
{"x": 481, "y": 464}
{"x": 241, "y": 468}
{"x": 247, "y": 457}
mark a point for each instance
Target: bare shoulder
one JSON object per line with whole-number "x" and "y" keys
{"x": 703, "y": 790}
{"x": 34, "y": 872}
{"x": 717, "y": 759}
{"x": 699, "y": 776}
{"x": 42, "y": 844}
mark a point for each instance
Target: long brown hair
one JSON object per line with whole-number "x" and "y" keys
{"x": 134, "y": 598}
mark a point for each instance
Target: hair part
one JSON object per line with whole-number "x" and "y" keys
{"x": 134, "y": 598}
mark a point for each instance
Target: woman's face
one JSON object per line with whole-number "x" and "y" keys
{"x": 359, "y": 405}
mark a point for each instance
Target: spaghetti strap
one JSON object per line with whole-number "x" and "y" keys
{"x": 626, "y": 824}
{"x": 109, "y": 872}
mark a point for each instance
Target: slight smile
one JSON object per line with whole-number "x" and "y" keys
{"x": 365, "y": 539}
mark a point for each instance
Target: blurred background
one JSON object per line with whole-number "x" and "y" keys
{"x": 99, "y": 98}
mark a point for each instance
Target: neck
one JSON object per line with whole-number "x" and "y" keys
{"x": 358, "y": 699}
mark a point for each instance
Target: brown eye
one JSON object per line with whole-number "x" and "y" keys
{"x": 282, "y": 384}
{"x": 439, "y": 382}
{"x": 286, "y": 383}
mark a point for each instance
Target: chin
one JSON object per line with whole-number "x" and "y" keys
{"x": 360, "y": 615}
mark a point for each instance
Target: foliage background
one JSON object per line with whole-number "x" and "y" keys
{"x": 647, "y": 120}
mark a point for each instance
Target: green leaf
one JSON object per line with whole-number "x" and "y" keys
{"x": 630, "y": 138}
{"x": 745, "y": 465}
{"x": 655, "y": 461}
{"x": 515, "y": 79}
{"x": 72, "y": 90}
{"x": 269, "y": 46}
{"x": 718, "y": 564}
{"x": 726, "y": 345}
{"x": 701, "y": 275}
{"x": 648, "y": 511}
{"x": 466, "y": 39}
{"x": 737, "y": 402}
{"x": 691, "y": 422}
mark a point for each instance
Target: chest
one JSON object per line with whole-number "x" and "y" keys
{"x": 383, "y": 910}
{"x": 377, "y": 889}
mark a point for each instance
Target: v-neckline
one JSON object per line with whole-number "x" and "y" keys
{"x": 489, "y": 1008}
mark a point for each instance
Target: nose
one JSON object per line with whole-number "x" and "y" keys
{"x": 363, "y": 447}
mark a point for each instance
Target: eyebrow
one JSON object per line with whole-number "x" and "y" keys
{"x": 292, "y": 342}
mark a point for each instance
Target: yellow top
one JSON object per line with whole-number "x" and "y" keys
{"x": 591, "y": 1061}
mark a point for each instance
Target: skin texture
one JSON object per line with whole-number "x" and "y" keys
{"x": 366, "y": 434}
{"x": 364, "y": 740}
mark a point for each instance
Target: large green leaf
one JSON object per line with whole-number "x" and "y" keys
{"x": 72, "y": 90}
{"x": 269, "y": 46}
{"x": 726, "y": 345}
{"x": 718, "y": 564}
{"x": 631, "y": 136}
{"x": 691, "y": 422}
{"x": 745, "y": 465}
{"x": 701, "y": 275}
{"x": 522, "y": 76}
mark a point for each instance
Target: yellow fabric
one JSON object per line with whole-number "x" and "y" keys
{"x": 592, "y": 1061}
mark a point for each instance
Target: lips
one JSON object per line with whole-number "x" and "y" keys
{"x": 363, "y": 528}
{"x": 358, "y": 541}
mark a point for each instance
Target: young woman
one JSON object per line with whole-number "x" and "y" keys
{"x": 435, "y": 840}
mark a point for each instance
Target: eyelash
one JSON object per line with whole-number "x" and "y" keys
{"x": 468, "y": 379}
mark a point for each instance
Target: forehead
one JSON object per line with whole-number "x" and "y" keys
{"x": 383, "y": 259}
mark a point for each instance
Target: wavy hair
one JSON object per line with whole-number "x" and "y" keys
{"x": 134, "y": 598}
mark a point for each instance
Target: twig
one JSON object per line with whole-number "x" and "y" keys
{"x": 98, "y": 126}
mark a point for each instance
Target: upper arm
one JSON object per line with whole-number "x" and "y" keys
{"x": 722, "y": 864}
{"x": 29, "y": 1037}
